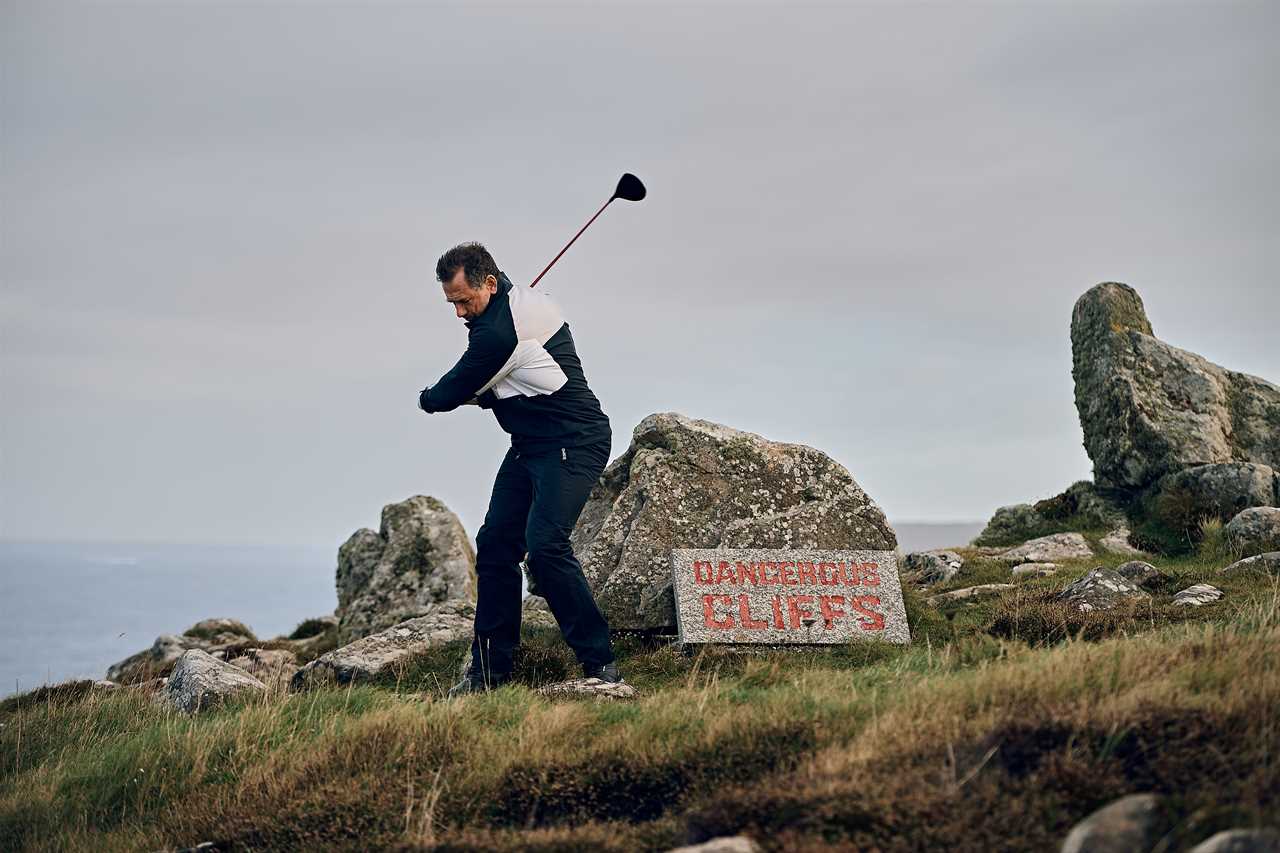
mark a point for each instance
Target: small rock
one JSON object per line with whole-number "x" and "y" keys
{"x": 1268, "y": 563}
{"x": 1117, "y": 542}
{"x": 273, "y": 667}
{"x": 723, "y": 844}
{"x": 1127, "y": 824}
{"x": 200, "y": 680}
{"x": 1100, "y": 589}
{"x": 1144, "y": 575}
{"x": 590, "y": 687}
{"x": 1048, "y": 549}
{"x": 932, "y": 567}
{"x": 1254, "y": 531}
{"x": 968, "y": 593}
{"x": 1197, "y": 595}
{"x": 1034, "y": 570}
{"x": 1241, "y": 841}
{"x": 220, "y": 631}
{"x": 103, "y": 684}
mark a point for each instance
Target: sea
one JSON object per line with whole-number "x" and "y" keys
{"x": 70, "y": 609}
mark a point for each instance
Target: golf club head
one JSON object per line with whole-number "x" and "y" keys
{"x": 629, "y": 188}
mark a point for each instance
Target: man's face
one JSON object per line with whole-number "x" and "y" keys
{"x": 469, "y": 301}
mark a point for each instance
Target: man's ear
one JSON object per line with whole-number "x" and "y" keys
{"x": 491, "y": 283}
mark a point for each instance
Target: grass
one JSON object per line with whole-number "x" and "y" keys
{"x": 997, "y": 729}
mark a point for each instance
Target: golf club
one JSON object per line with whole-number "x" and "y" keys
{"x": 629, "y": 189}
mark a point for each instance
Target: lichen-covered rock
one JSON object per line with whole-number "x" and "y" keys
{"x": 927, "y": 568}
{"x": 420, "y": 557}
{"x": 1197, "y": 595}
{"x": 1144, "y": 575}
{"x": 158, "y": 660}
{"x": 1049, "y": 549}
{"x": 723, "y": 844}
{"x": 686, "y": 483}
{"x": 968, "y": 593}
{"x": 273, "y": 667}
{"x": 1172, "y": 511}
{"x": 1268, "y": 563}
{"x": 1130, "y": 823}
{"x": 1100, "y": 589}
{"x": 199, "y": 681}
{"x": 386, "y": 651}
{"x": 1254, "y": 531}
{"x": 591, "y": 687}
{"x": 1081, "y": 507}
{"x": 1149, "y": 409}
{"x": 1117, "y": 542}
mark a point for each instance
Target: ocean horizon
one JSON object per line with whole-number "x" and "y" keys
{"x": 69, "y": 610}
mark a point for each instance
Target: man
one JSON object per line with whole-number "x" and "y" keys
{"x": 521, "y": 363}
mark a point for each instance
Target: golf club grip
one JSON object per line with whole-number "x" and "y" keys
{"x": 570, "y": 243}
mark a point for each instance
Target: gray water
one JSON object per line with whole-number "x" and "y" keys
{"x": 70, "y": 610}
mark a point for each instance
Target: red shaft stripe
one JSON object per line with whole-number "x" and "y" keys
{"x": 570, "y": 243}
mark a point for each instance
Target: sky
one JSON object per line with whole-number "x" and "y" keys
{"x": 865, "y": 230}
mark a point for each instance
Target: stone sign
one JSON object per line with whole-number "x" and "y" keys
{"x": 801, "y": 597}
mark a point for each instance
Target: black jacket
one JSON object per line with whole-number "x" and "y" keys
{"x": 521, "y": 362}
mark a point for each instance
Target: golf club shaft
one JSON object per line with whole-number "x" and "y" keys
{"x": 570, "y": 243}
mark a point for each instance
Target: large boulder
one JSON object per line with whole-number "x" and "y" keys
{"x": 1254, "y": 531}
{"x": 1049, "y": 549}
{"x": 421, "y": 556}
{"x": 1172, "y": 511}
{"x": 1149, "y": 409}
{"x": 199, "y": 680}
{"x": 686, "y": 483}
{"x": 389, "y": 651}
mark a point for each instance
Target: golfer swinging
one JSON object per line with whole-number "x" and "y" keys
{"x": 520, "y": 361}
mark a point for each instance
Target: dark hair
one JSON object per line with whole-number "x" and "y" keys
{"x": 473, "y": 258}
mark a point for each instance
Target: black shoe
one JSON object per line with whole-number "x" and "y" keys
{"x": 477, "y": 684}
{"x": 607, "y": 672}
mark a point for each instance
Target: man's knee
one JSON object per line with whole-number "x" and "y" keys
{"x": 547, "y": 547}
{"x": 497, "y": 545}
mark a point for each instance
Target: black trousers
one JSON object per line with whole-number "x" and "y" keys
{"x": 537, "y": 498}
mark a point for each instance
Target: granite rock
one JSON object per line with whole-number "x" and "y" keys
{"x": 1034, "y": 570}
{"x": 686, "y": 483}
{"x": 1130, "y": 823}
{"x": 723, "y": 844}
{"x": 1197, "y": 595}
{"x": 1254, "y": 531}
{"x": 1048, "y": 549}
{"x": 421, "y": 556}
{"x": 1081, "y": 507}
{"x": 1266, "y": 840}
{"x": 589, "y": 687}
{"x": 156, "y": 661}
{"x": 199, "y": 681}
{"x": 1100, "y": 589}
{"x": 968, "y": 593}
{"x": 927, "y": 568}
{"x": 1268, "y": 563}
{"x": 1144, "y": 575}
{"x": 1149, "y": 409}
{"x": 390, "y": 650}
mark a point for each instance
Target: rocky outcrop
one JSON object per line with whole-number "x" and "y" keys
{"x": 927, "y": 568}
{"x": 1081, "y": 507}
{"x": 1254, "y": 531}
{"x": 420, "y": 557}
{"x": 1049, "y": 549}
{"x": 199, "y": 681}
{"x": 389, "y": 650}
{"x": 158, "y": 660}
{"x": 273, "y": 667}
{"x": 1100, "y": 589}
{"x": 686, "y": 483}
{"x": 1149, "y": 409}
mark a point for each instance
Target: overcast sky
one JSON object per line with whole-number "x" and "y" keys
{"x": 865, "y": 230}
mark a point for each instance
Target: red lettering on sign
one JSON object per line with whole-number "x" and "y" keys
{"x": 725, "y": 573}
{"x": 788, "y": 573}
{"x": 795, "y": 610}
{"x": 709, "y": 613}
{"x": 874, "y": 621}
{"x": 777, "y": 613}
{"x": 870, "y": 574}
{"x": 827, "y": 573}
{"x": 849, "y": 574}
{"x": 829, "y": 605}
{"x": 765, "y": 578}
{"x": 747, "y": 570}
{"x": 744, "y": 613}
{"x": 807, "y": 571}
{"x": 698, "y": 567}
